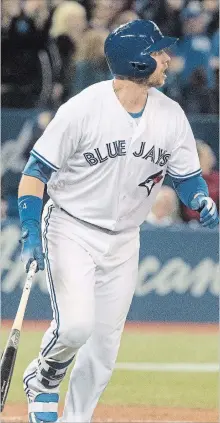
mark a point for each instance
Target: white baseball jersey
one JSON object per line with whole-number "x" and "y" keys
{"x": 108, "y": 168}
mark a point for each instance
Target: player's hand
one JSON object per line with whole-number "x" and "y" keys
{"x": 32, "y": 245}
{"x": 207, "y": 210}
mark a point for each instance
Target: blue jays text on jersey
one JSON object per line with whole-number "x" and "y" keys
{"x": 118, "y": 148}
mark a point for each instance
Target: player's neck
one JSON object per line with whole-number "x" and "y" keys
{"x": 132, "y": 96}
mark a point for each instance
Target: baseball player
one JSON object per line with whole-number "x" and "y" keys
{"x": 103, "y": 157}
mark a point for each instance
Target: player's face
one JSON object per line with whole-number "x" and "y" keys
{"x": 157, "y": 79}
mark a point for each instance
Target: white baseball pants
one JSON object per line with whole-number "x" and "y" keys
{"x": 91, "y": 276}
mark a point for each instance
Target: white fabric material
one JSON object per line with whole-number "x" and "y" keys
{"x": 184, "y": 159}
{"x": 91, "y": 128}
{"x": 110, "y": 170}
{"x": 42, "y": 407}
{"x": 33, "y": 418}
{"x": 94, "y": 278}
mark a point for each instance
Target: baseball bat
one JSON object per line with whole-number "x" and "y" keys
{"x": 9, "y": 354}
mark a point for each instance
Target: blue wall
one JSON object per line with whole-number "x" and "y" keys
{"x": 178, "y": 276}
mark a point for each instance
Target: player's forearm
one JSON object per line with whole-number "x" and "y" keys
{"x": 189, "y": 188}
{"x": 30, "y": 203}
{"x": 30, "y": 185}
{"x": 31, "y": 190}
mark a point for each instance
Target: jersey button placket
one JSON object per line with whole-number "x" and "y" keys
{"x": 123, "y": 196}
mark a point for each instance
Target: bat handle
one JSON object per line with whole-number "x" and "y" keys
{"x": 25, "y": 295}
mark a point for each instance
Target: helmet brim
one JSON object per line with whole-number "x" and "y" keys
{"x": 164, "y": 43}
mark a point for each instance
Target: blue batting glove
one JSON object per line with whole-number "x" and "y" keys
{"x": 32, "y": 245}
{"x": 207, "y": 210}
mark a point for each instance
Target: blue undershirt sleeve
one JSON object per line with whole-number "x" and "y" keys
{"x": 38, "y": 169}
{"x": 187, "y": 188}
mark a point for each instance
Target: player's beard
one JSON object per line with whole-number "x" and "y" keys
{"x": 154, "y": 80}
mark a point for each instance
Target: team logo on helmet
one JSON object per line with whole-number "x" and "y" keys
{"x": 151, "y": 181}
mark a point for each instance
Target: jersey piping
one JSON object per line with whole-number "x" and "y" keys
{"x": 43, "y": 160}
{"x": 188, "y": 175}
{"x": 137, "y": 115}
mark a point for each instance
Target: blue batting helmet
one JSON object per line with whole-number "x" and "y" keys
{"x": 128, "y": 48}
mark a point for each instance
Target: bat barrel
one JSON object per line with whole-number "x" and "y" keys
{"x": 10, "y": 352}
{"x": 7, "y": 364}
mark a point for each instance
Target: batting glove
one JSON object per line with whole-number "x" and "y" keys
{"x": 32, "y": 245}
{"x": 207, "y": 210}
